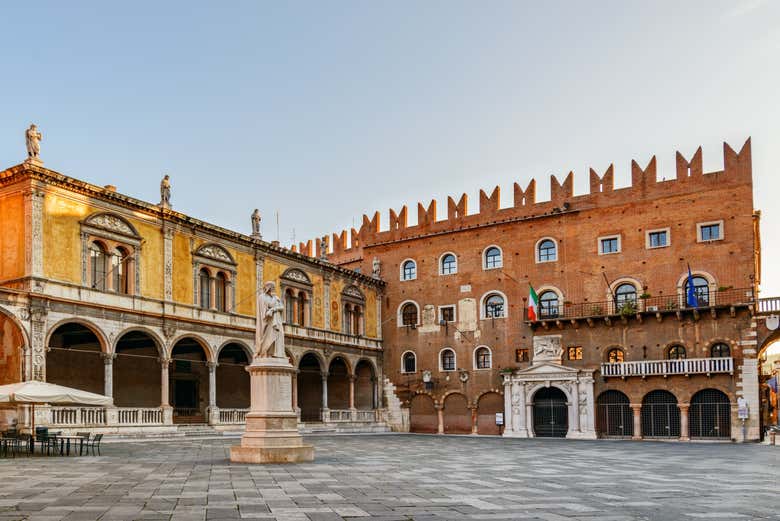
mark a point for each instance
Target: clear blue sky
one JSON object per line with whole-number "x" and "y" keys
{"x": 327, "y": 110}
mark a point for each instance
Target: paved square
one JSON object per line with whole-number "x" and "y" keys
{"x": 401, "y": 477}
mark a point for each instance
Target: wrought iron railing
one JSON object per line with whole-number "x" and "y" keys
{"x": 668, "y": 367}
{"x": 650, "y": 304}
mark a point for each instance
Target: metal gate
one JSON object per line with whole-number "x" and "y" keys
{"x": 710, "y": 415}
{"x": 660, "y": 415}
{"x": 614, "y": 416}
{"x": 551, "y": 415}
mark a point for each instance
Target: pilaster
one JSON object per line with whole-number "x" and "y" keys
{"x": 168, "y": 262}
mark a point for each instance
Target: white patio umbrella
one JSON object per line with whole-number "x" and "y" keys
{"x": 33, "y": 392}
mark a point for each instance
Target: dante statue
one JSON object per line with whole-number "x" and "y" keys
{"x": 165, "y": 190}
{"x": 33, "y": 137}
{"x": 269, "y": 332}
{"x": 256, "y": 223}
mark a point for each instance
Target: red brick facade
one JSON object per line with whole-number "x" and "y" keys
{"x": 584, "y": 278}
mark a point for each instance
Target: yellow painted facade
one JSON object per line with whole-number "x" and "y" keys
{"x": 68, "y": 206}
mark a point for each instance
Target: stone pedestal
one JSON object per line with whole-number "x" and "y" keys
{"x": 271, "y": 425}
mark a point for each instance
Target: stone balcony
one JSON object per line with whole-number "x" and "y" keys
{"x": 331, "y": 337}
{"x": 666, "y": 368}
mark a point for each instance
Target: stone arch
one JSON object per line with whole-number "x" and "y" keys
{"x": 614, "y": 416}
{"x": 197, "y": 338}
{"x": 339, "y": 375}
{"x": 189, "y": 378}
{"x": 136, "y": 368}
{"x": 309, "y": 389}
{"x": 247, "y": 350}
{"x": 660, "y": 414}
{"x": 365, "y": 378}
{"x": 76, "y": 356}
{"x": 159, "y": 342}
{"x": 710, "y": 414}
{"x": 440, "y": 260}
{"x": 13, "y": 344}
{"x": 399, "y": 313}
{"x": 232, "y": 378}
{"x": 323, "y": 363}
{"x": 484, "y": 297}
{"x": 297, "y": 275}
{"x": 457, "y": 414}
{"x": 547, "y": 406}
{"x": 685, "y": 395}
{"x": 214, "y": 251}
{"x": 423, "y": 416}
{"x": 102, "y": 339}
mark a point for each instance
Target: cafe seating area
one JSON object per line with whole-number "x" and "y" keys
{"x": 48, "y": 443}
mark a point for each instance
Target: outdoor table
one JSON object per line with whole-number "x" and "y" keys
{"x": 65, "y": 444}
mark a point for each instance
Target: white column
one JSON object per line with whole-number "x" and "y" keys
{"x": 529, "y": 419}
{"x": 508, "y": 419}
{"x": 325, "y": 411}
{"x": 590, "y": 409}
{"x": 521, "y": 425}
{"x": 108, "y": 374}
{"x": 165, "y": 405}
{"x": 574, "y": 428}
{"x": 213, "y": 410}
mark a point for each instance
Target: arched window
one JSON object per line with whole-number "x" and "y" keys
{"x": 220, "y": 286}
{"x": 409, "y": 314}
{"x": 625, "y": 296}
{"x": 409, "y": 270}
{"x": 120, "y": 261}
{"x": 409, "y": 363}
{"x": 289, "y": 306}
{"x": 98, "y": 264}
{"x": 493, "y": 258}
{"x": 205, "y": 288}
{"x": 676, "y": 352}
{"x": 449, "y": 264}
{"x": 701, "y": 288}
{"x": 494, "y": 306}
{"x": 482, "y": 358}
{"x": 547, "y": 252}
{"x": 720, "y": 350}
{"x": 615, "y": 356}
{"x": 447, "y": 360}
{"x": 548, "y": 304}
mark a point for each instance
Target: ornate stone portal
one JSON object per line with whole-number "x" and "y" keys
{"x": 271, "y": 425}
{"x": 547, "y": 371}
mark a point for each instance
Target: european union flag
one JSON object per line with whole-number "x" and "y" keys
{"x": 690, "y": 299}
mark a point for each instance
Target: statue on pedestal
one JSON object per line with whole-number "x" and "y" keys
{"x": 165, "y": 191}
{"x": 270, "y": 327}
{"x": 256, "y": 223}
{"x": 33, "y": 138}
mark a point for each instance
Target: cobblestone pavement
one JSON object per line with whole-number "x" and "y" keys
{"x": 401, "y": 477}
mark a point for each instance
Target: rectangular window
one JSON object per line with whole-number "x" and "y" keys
{"x": 712, "y": 231}
{"x": 657, "y": 239}
{"x": 575, "y": 353}
{"x": 521, "y": 355}
{"x": 447, "y": 313}
{"x": 609, "y": 244}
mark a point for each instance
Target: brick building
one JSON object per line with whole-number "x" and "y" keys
{"x": 110, "y": 294}
{"x": 617, "y": 349}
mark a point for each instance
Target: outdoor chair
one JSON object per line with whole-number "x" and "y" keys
{"x": 95, "y": 444}
{"x": 85, "y": 443}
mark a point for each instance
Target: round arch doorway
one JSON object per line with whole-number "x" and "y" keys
{"x": 551, "y": 414}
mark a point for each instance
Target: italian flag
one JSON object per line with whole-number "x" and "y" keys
{"x": 533, "y": 304}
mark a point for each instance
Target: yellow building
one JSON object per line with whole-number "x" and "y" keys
{"x": 110, "y": 294}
